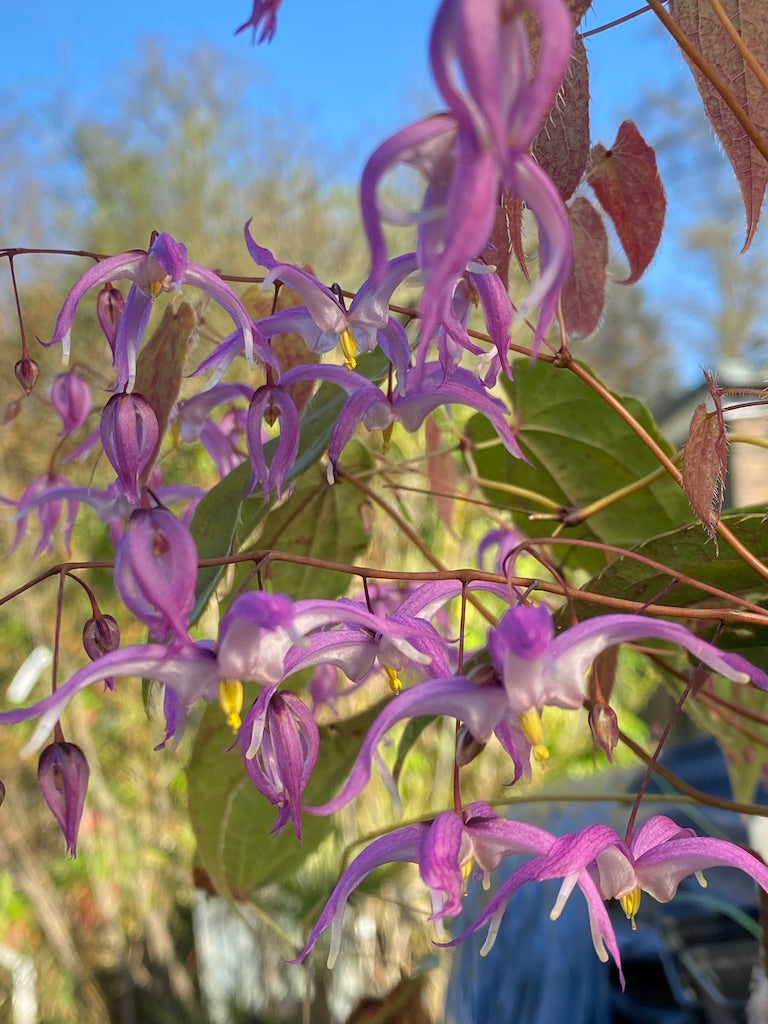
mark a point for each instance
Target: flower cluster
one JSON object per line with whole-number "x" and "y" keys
{"x": 499, "y": 67}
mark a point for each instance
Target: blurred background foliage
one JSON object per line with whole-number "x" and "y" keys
{"x": 111, "y": 932}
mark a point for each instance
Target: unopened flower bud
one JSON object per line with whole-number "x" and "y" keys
{"x": 109, "y": 308}
{"x": 605, "y": 727}
{"x": 62, "y": 772}
{"x": 156, "y": 570}
{"x": 27, "y": 371}
{"x": 101, "y": 634}
{"x": 467, "y": 746}
{"x": 129, "y": 433}
{"x": 71, "y": 398}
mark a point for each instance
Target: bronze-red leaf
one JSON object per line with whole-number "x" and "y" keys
{"x": 705, "y": 465}
{"x": 583, "y": 294}
{"x": 562, "y": 145}
{"x": 700, "y": 23}
{"x": 626, "y": 180}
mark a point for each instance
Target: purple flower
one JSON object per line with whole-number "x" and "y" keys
{"x": 164, "y": 267}
{"x": 270, "y": 403}
{"x": 193, "y": 422}
{"x": 49, "y": 493}
{"x": 254, "y": 637}
{"x": 534, "y": 668}
{"x": 62, "y": 772}
{"x": 497, "y": 102}
{"x": 156, "y": 571}
{"x": 130, "y": 435}
{"x": 655, "y": 860}
{"x": 279, "y": 741}
{"x": 445, "y": 850}
{"x": 410, "y": 406}
{"x": 71, "y": 398}
{"x": 264, "y": 13}
{"x": 324, "y": 322}
{"x": 538, "y": 668}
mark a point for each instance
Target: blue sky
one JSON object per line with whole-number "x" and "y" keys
{"x": 355, "y": 70}
{"x": 350, "y": 67}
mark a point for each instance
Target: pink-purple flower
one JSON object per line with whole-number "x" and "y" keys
{"x": 164, "y": 267}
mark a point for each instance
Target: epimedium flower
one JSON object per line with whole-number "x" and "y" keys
{"x": 480, "y": 58}
{"x": 269, "y": 403}
{"x": 62, "y": 772}
{"x": 279, "y": 742}
{"x": 130, "y": 435}
{"x": 654, "y": 860}
{"x": 254, "y": 636}
{"x": 263, "y": 16}
{"x": 324, "y": 322}
{"x": 71, "y": 398}
{"x": 410, "y": 405}
{"x": 445, "y": 849}
{"x": 164, "y": 267}
{"x": 538, "y": 668}
{"x": 192, "y": 421}
{"x": 50, "y": 493}
{"x": 156, "y": 571}
{"x": 531, "y": 668}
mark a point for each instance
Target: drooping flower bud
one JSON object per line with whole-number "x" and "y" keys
{"x": 101, "y": 634}
{"x": 129, "y": 433}
{"x": 62, "y": 772}
{"x": 280, "y": 742}
{"x": 71, "y": 398}
{"x": 27, "y": 371}
{"x": 156, "y": 571}
{"x": 605, "y": 727}
{"x": 109, "y": 308}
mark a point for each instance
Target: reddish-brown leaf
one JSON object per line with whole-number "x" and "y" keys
{"x": 442, "y": 470}
{"x": 705, "y": 464}
{"x": 562, "y": 145}
{"x": 626, "y": 180}
{"x": 578, "y": 9}
{"x": 507, "y": 238}
{"x": 700, "y": 23}
{"x": 583, "y": 295}
{"x": 161, "y": 362}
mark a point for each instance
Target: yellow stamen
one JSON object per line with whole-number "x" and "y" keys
{"x": 386, "y": 437}
{"x": 630, "y": 904}
{"x": 466, "y": 871}
{"x": 349, "y": 348}
{"x": 530, "y": 723}
{"x": 700, "y": 879}
{"x": 231, "y": 700}
{"x": 393, "y": 679}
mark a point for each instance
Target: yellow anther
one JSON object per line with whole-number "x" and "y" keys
{"x": 530, "y": 723}
{"x": 231, "y": 700}
{"x": 630, "y": 904}
{"x": 386, "y": 436}
{"x": 349, "y": 348}
{"x": 155, "y": 287}
{"x": 393, "y": 679}
{"x": 466, "y": 871}
{"x": 700, "y": 879}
